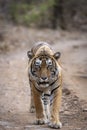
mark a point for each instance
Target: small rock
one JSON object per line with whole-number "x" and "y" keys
{"x": 66, "y": 91}
{"x": 85, "y": 110}
{"x": 67, "y": 113}
{"x": 75, "y": 102}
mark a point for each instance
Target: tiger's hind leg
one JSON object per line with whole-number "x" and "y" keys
{"x": 54, "y": 121}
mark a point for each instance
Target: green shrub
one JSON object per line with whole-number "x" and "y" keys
{"x": 28, "y": 14}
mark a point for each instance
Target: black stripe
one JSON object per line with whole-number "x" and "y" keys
{"x": 36, "y": 88}
{"x": 54, "y": 89}
{"x": 46, "y": 94}
{"x": 30, "y": 80}
{"x": 53, "y": 82}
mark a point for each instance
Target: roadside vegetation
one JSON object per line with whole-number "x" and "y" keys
{"x": 46, "y": 13}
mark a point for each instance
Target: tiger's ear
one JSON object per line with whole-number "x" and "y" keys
{"x": 30, "y": 54}
{"x": 57, "y": 55}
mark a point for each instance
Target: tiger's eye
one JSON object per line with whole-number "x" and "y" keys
{"x": 49, "y": 62}
{"x": 38, "y": 62}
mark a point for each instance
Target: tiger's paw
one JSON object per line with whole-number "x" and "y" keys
{"x": 55, "y": 125}
{"x": 41, "y": 121}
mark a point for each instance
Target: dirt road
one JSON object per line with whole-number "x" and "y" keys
{"x": 14, "y": 87}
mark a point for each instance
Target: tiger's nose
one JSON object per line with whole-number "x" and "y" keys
{"x": 44, "y": 78}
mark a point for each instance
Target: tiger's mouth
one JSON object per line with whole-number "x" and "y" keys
{"x": 43, "y": 83}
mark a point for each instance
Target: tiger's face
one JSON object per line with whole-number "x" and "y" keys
{"x": 44, "y": 70}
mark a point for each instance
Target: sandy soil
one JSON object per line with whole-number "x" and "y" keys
{"x": 14, "y": 87}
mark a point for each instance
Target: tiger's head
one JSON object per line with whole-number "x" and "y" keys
{"x": 44, "y": 68}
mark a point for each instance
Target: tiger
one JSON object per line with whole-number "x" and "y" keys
{"x": 45, "y": 78}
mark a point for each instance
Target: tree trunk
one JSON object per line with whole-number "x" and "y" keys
{"x": 57, "y": 16}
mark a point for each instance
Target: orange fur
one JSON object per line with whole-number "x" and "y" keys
{"x": 38, "y": 90}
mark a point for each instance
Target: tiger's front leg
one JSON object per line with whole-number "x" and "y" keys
{"x": 32, "y": 106}
{"x": 54, "y": 121}
{"x": 40, "y": 115}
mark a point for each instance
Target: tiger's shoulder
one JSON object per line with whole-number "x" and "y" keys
{"x": 41, "y": 47}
